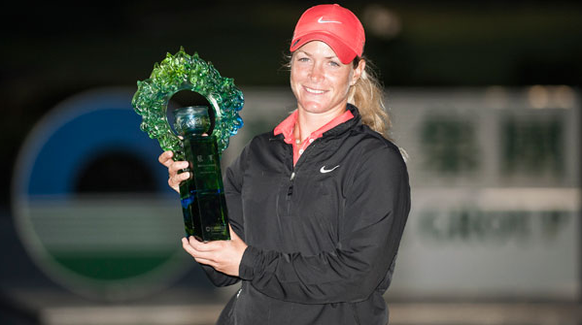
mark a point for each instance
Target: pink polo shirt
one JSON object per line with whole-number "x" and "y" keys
{"x": 287, "y": 125}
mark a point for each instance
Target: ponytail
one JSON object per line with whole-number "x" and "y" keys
{"x": 367, "y": 95}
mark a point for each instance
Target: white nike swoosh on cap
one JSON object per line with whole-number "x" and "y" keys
{"x": 321, "y": 21}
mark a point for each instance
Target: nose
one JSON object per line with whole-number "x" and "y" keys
{"x": 316, "y": 74}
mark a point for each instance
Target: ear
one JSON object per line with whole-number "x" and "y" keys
{"x": 357, "y": 73}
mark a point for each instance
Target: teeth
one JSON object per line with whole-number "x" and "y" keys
{"x": 314, "y": 91}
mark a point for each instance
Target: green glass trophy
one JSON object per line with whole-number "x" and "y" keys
{"x": 202, "y": 196}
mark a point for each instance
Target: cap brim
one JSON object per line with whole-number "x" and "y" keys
{"x": 343, "y": 52}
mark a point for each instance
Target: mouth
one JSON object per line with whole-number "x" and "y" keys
{"x": 314, "y": 91}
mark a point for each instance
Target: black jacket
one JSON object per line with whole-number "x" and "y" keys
{"x": 322, "y": 235}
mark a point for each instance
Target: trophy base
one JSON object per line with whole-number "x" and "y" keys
{"x": 204, "y": 216}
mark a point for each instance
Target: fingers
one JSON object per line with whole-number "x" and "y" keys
{"x": 189, "y": 248}
{"x": 174, "y": 171}
{"x": 223, "y": 255}
{"x": 196, "y": 250}
{"x": 176, "y": 166}
{"x": 175, "y": 178}
{"x": 166, "y": 158}
{"x": 173, "y": 166}
{"x": 202, "y": 247}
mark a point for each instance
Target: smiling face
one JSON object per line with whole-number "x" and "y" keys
{"x": 320, "y": 81}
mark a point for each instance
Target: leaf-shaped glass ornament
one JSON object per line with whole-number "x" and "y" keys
{"x": 178, "y": 72}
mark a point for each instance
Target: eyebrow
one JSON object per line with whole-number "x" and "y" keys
{"x": 309, "y": 54}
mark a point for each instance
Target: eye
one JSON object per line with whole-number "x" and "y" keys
{"x": 303, "y": 59}
{"x": 334, "y": 64}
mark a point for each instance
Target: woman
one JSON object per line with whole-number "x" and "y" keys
{"x": 318, "y": 206}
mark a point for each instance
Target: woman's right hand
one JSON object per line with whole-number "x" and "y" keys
{"x": 174, "y": 179}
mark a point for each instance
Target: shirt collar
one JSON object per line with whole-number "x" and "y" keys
{"x": 287, "y": 125}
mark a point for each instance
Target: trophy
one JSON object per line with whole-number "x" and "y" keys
{"x": 201, "y": 140}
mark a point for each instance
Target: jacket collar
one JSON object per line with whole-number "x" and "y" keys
{"x": 346, "y": 125}
{"x": 335, "y": 131}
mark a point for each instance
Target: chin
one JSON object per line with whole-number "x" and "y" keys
{"x": 315, "y": 107}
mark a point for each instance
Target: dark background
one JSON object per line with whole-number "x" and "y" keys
{"x": 50, "y": 51}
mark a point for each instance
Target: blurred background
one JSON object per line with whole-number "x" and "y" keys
{"x": 484, "y": 97}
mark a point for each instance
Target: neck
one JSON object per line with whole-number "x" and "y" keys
{"x": 308, "y": 123}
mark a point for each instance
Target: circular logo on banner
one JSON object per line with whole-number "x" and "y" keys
{"x": 91, "y": 202}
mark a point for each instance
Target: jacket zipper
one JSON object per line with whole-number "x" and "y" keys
{"x": 290, "y": 193}
{"x": 293, "y": 173}
{"x": 290, "y": 190}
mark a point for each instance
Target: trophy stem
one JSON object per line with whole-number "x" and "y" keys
{"x": 202, "y": 196}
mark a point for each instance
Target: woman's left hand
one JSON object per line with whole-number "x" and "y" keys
{"x": 223, "y": 255}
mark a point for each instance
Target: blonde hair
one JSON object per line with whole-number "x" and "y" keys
{"x": 367, "y": 95}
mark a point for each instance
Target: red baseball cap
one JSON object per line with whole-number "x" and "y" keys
{"x": 334, "y": 25}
